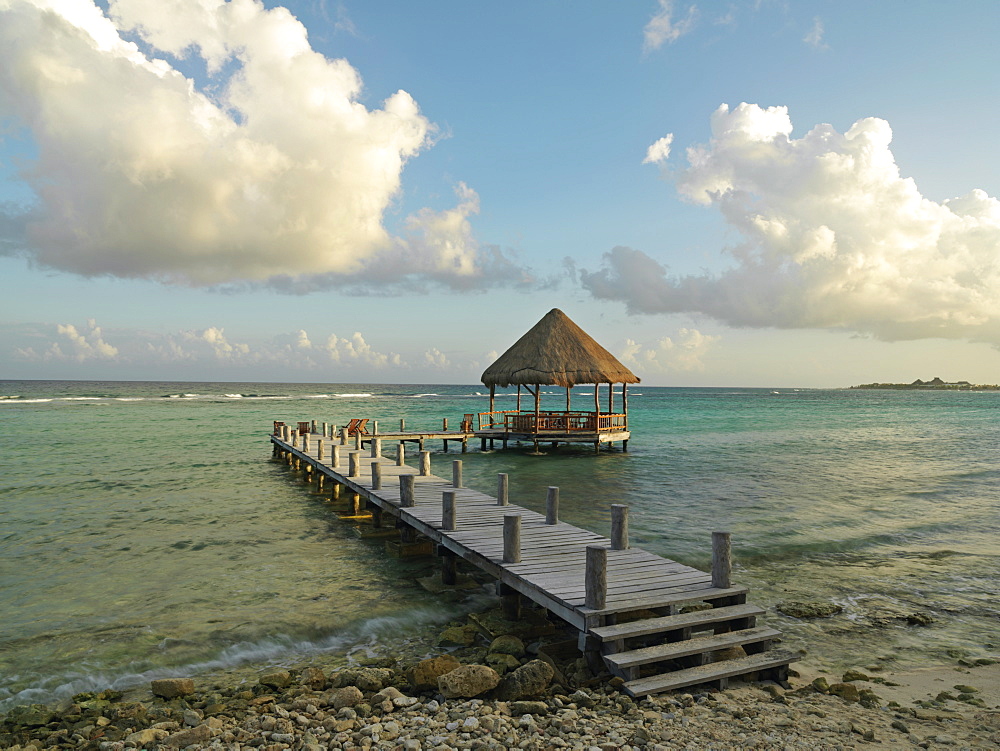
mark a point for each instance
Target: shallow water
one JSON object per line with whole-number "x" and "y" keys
{"x": 146, "y": 530}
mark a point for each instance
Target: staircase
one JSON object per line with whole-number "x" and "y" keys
{"x": 691, "y": 640}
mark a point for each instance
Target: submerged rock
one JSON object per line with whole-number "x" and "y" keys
{"x": 798, "y": 609}
{"x": 170, "y": 688}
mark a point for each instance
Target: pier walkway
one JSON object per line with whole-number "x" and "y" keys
{"x": 656, "y": 623}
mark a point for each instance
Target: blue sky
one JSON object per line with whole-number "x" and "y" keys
{"x": 747, "y": 193}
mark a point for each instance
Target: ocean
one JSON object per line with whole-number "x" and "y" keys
{"x": 146, "y": 531}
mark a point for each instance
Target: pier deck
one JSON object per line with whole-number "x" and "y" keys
{"x": 626, "y": 605}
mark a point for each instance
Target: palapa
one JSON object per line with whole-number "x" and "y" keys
{"x": 556, "y": 351}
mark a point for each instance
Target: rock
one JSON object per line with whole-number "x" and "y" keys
{"x": 854, "y": 675}
{"x": 170, "y": 688}
{"x": 31, "y": 716}
{"x": 821, "y": 685}
{"x": 508, "y": 644}
{"x": 535, "y": 708}
{"x": 869, "y": 698}
{"x": 369, "y": 680}
{"x": 502, "y": 663}
{"x": 424, "y": 675}
{"x": 846, "y": 691}
{"x": 314, "y": 678}
{"x": 531, "y": 679}
{"x": 147, "y": 737}
{"x": 276, "y": 679}
{"x": 468, "y": 681}
{"x": 458, "y": 636}
{"x": 582, "y": 699}
{"x": 798, "y": 609}
{"x": 192, "y": 717}
{"x": 901, "y": 726}
{"x": 185, "y": 738}
{"x": 919, "y": 619}
{"x": 348, "y": 696}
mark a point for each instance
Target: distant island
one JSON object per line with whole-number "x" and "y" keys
{"x": 935, "y": 384}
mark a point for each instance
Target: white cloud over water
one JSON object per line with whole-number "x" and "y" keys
{"x": 682, "y": 353}
{"x": 833, "y": 237}
{"x": 265, "y": 165}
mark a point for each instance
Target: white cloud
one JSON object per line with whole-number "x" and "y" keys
{"x": 659, "y": 152}
{"x": 834, "y": 237}
{"x": 668, "y": 355}
{"x": 272, "y": 169}
{"x": 814, "y": 38}
{"x": 436, "y": 359}
{"x": 663, "y": 27}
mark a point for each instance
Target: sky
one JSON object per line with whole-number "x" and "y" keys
{"x": 763, "y": 193}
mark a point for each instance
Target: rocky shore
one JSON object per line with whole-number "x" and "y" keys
{"x": 510, "y": 693}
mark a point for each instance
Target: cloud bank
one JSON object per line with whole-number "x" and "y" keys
{"x": 262, "y": 163}
{"x": 834, "y": 237}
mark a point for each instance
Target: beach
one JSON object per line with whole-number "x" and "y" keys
{"x": 166, "y": 542}
{"x": 388, "y": 700}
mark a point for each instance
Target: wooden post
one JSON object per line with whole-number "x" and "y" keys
{"x": 354, "y": 463}
{"x": 406, "y": 497}
{"x": 295, "y": 439}
{"x": 425, "y": 463}
{"x": 512, "y": 538}
{"x": 376, "y": 446}
{"x": 319, "y": 449}
{"x": 335, "y": 455}
{"x": 625, "y": 408}
{"x": 456, "y": 473}
{"x": 335, "y": 491}
{"x": 619, "y": 526}
{"x": 402, "y": 424}
{"x": 324, "y": 429}
{"x": 597, "y": 405}
{"x": 444, "y": 424}
{"x": 567, "y": 399}
{"x": 519, "y": 397}
{"x": 357, "y": 441}
{"x": 376, "y": 475}
{"x": 374, "y": 427}
{"x": 722, "y": 560}
{"x": 493, "y": 393}
{"x": 510, "y": 601}
{"x": 502, "y": 487}
{"x": 312, "y": 426}
{"x": 343, "y": 436}
{"x": 305, "y": 442}
{"x": 448, "y": 511}
{"x": 449, "y": 566}
{"x": 552, "y": 505}
{"x": 400, "y": 455}
{"x": 596, "y": 577}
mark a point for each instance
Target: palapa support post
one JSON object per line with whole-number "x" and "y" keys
{"x": 335, "y": 455}
{"x": 456, "y": 473}
{"x": 502, "y": 488}
{"x": 596, "y": 577}
{"x": 354, "y": 459}
{"x": 400, "y": 454}
{"x": 512, "y": 538}
{"x": 376, "y": 446}
{"x": 722, "y": 560}
{"x": 449, "y": 566}
{"x": 406, "y": 497}
{"x": 425, "y": 463}
{"x": 376, "y": 475}
{"x": 552, "y": 505}
{"x": 448, "y": 511}
{"x": 619, "y": 526}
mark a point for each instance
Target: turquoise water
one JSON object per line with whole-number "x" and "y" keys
{"x": 145, "y": 529}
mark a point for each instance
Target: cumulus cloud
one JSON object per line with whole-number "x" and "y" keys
{"x": 659, "y": 151}
{"x": 265, "y": 166}
{"x": 669, "y": 355}
{"x": 663, "y": 27}
{"x": 436, "y": 358}
{"x": 834, "y": 237}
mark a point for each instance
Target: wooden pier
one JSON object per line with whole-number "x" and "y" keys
{"x": 656, "y": 623}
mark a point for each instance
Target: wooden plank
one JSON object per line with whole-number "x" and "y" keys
{"x": 674, "y": 622}
{"x": 696, "y": 645}
{"x": 712, "y": 672}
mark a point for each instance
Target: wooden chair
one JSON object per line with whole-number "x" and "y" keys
{"x": 357, "y": 427}
{"x": 466, "y": 426}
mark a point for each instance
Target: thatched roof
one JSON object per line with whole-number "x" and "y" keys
{"x": 556, "y": 351}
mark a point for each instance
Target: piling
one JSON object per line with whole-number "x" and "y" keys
{"x": 502, "y": 486}
{"x": 596, "y": 577}
{"x": 425, "y": 463}
{"x": 400, "y": 454}
{"x": 448, "y": 511}
{"x": 512, "y": 538}
{"x": 376, "y": 475}
{"x": 552, "y": 505}
{"x": 354, "y": 464}
{"x": 722, "y": 559}
{"x": 619, "y": 526}
{"x": 406, "y": 497}
{"x": 456, "y": 473}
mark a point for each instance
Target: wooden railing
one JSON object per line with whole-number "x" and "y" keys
{"x": 512, "y": 421}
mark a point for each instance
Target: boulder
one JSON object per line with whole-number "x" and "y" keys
{"x": 348, "y": 696}
{"x": 531, "y": 679}
{"x": 855, "y": 675}
{"x": 534, "y": 708}
{"x": 458, "y": 636}
{"x": 424, "y": 675}
{"x": 368, "y": 680}
{"x": 798, "y": 609}
{"x": 276, "y": 679}
{"x": 846, "y": 691}
{"x": 314, "y": 678}
{"x": 508, "y": 644}
{"x": 170, "y": 688}
{"x": 467, "y": 681}
{"x": 188, "y": 737}
{"x": 146, "y": 738}
{"x": 502, "y": 663}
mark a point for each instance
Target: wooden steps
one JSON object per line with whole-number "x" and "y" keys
{"x": 678, "y": 658}
{"x": 715, "y": 672}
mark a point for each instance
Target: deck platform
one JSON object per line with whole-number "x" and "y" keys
{"x": 643, "y": 595}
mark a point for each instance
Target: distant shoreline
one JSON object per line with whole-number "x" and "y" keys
{"x": 935, "y": 384}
